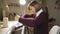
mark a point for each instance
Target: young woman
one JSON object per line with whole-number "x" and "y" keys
{"x": 38, "y": 20}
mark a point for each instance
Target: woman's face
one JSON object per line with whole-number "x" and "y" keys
{"x": 32, "y": 9}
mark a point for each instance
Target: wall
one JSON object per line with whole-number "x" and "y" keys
{"x": 21, "y": 10}
{"x": 1, "y": 15}
{"x": 53, "y": 12}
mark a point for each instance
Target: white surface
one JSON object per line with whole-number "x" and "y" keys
{"x": 54, "y": 29}
{"x": 23, "y": 30}
{"x": 11, "y": 26}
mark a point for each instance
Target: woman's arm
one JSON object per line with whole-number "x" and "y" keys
{"x": 28, "y": 15}
{"x": 32, "y": 21}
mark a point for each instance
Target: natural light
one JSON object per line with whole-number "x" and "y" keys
{"x": 22, "y": 2}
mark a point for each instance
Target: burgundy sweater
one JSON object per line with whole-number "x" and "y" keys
{"x": 39, "y": 23}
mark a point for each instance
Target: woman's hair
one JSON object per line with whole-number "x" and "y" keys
{"x": 33, "y": 3}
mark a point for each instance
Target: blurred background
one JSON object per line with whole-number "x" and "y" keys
{"x": 8, "y": 8}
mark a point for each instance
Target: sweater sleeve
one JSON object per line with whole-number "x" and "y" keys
{"x": 32, "y": 22}
{"x": 28, "y": 16}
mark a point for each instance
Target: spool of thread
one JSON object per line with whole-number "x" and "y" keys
{"x": 17, "y": 17}
{"x": 5, "y": 21}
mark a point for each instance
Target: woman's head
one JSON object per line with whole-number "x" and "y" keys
{"x": 34, "y": 6}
